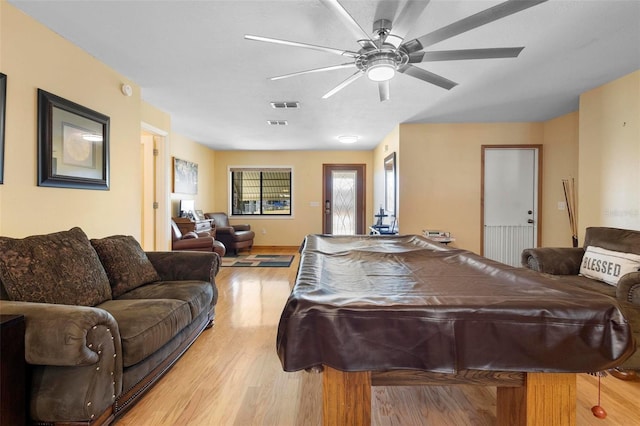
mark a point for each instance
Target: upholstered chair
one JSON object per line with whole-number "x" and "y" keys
{"x": 602, "y": 245}
{"x": 195, "y": 241}
{"x": 234, "y": 237}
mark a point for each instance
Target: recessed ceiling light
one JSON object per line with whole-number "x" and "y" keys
{"x": 277, "y": 122}
{"x": 348, "y": 138}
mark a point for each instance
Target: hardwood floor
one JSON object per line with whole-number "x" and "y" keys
{"x": 232, "y": 375}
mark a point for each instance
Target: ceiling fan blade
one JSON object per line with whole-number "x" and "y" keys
{"x": 427, "y": 76}
{"x": 330, "y": 68}
{"x": 383, "y": 88}
{"x": 481, "y": 18}
{"x": 346, "y": 17}
{"x": 344, "y": 84}
{"x": 304, "y": 45}
{"x": 405, "y": 20}
{"x": 456, "y": 55}
{"x": 367, "y": 44}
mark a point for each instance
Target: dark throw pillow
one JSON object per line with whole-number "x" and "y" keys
{"x": 127, "y": 265}
{"x": 59, "y": 268}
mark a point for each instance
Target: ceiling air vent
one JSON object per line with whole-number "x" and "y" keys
{"x": 285, "y": 105}
{"x": 277, "y": 122}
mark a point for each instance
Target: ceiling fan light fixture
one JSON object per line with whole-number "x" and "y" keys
{"x": 348, "y": 138}
{"x": 381, "y": 69}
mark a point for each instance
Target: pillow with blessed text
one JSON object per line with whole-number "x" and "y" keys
{"x": 608, "y": 266}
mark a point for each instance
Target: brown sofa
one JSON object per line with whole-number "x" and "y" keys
{"x": 234, "y": 237}
{"x": 564, "y": 264}
{"x": 104, "y": 320}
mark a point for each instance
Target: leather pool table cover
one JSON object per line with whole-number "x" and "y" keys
{"x": 375, "y": 303}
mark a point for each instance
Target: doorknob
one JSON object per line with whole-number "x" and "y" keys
{"x": 327, "y": 207}
{"x": 529, "y": 220}
{"x": 530, "y": 212}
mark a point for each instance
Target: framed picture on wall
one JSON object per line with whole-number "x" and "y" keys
{"x": 73, "y": 144}
{"x": 185, "y": 176}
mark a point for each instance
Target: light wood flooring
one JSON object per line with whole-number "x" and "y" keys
{"x": 232, "y": 375}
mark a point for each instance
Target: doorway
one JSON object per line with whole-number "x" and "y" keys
{"x": 155, "y": 205}
{"x": 344, "y": 199}
{"x": 148, "y": 237}
{"x": 511, "y": 186}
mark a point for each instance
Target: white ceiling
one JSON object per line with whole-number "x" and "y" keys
{"x": 191, "y": 60}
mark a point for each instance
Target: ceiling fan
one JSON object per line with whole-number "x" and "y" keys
{"x": 385, "y": 52}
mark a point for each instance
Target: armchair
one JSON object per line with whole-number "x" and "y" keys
{"x": 234, "y": 237}
{"x": 565, "y": 263}
{"x": 192, "y": 241}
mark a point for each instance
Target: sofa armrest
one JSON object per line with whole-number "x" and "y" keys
{"x": 64, "y": 335}
{"x": 629, "y": 288}
{"x": 242, "y": 227}
{"x": 556, "y": 261}
{"x": 193, "y": 243}
{"x": 185, "y": 265}
{"x": 75, "y": 359}
{"x": 225, "y": 230}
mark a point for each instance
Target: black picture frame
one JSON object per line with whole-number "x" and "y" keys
{"x": 3, "y": 108}
{"x": 73, "y": 144}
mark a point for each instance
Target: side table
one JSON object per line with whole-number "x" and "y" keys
{"x": 195, "y": 225}
{"x": 13, "y": 371}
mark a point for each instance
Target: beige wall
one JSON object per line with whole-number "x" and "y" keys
{"x": 307, "y": 189}
{"x": 34, "y": 57}
{"x": 440, "y": 174}
{"x": 186, "y": 149}
{"x": 609, "y": 174}
{"x": 74, "y": 75}
{"x": 560, "y": 161}
{"x": 155, "y": 117}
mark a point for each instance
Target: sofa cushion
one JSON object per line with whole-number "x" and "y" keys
{"x": 147, "y": 324}
{"x": 198, "y": 294}
{"x": 61, "y": 268}
{"x": 125, "y": 262}
{"x": 607, "y": 265}
{"x": 616, "y": 239}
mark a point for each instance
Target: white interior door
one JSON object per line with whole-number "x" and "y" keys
{"x": 156, "y": 209}
{"x": 510, "y": 194}
{"x": 148, "y": 192}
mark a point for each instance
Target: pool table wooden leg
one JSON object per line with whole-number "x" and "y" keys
{"x": 545, "y": 399}
{"x": 346, "y": 398}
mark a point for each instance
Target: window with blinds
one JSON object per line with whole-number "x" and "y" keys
{"x": 261, "y": 191}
